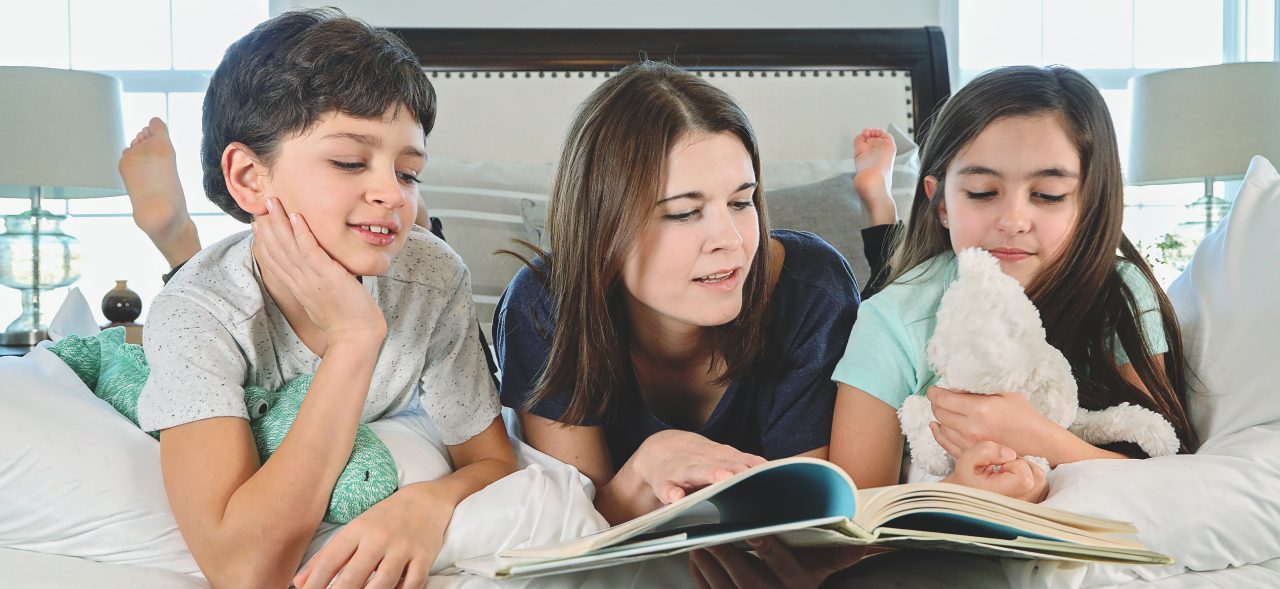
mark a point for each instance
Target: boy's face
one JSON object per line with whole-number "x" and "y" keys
{"x": 355, "y": 182}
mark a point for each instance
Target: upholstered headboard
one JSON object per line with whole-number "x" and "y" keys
{"x": 507, "y": 95}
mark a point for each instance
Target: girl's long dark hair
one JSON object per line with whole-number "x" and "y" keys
{"x": 1082, "y": 298}
{"x": 611, "y": 173}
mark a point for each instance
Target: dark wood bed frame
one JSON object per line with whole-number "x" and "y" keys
{"x": 920, "y": 51}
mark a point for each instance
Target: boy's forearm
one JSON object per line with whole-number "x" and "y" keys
{"x": 272, "y": 516}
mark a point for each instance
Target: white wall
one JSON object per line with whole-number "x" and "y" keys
{"x": 635, "y": 14}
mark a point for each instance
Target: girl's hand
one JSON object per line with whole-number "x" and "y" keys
{"x": 992, "y": 467}
{"x": 334, "y": 300}
{"x": 966, "y": 419}
{"x": 392, "y": 545}
{"x": 777, "y": 565}
{"x": 674, "y": 463}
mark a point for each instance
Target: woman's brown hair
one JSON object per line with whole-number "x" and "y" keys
{"x": 611, "y": 174}
{"x": 1081, "y": 296}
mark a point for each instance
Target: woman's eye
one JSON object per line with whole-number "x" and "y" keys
{"x": 681, "y": 217}
{"x": 349, "y": 166}
{"x": 741, "y": 205}
{"x": 980, "y": 195}
{"x": 1050, "y": 198}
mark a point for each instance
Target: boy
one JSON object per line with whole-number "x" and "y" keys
{"x": 314, "y": 131}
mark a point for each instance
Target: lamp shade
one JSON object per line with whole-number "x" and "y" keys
{"x": 59, "y": 129}
{"x": 1203, "y": 122}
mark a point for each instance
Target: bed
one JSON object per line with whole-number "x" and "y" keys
{"x": 506, "y": 96}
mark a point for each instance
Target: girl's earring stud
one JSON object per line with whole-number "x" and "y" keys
{"x": 944, "y": 223}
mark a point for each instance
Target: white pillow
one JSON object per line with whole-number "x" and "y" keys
{"x": 76, "y": 477}
{"x": 1216, "y": 508}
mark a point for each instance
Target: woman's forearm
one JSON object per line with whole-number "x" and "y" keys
{"x": 626, "y": 496}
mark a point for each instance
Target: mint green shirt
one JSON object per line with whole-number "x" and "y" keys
{"x": 885, "y": 355}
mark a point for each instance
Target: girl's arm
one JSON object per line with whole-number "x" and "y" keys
{"x": 1009, "y": 419}
{"x": 248, "y": 525}
{"x": 866, "y": 440}
{"x": 665, "y": 467}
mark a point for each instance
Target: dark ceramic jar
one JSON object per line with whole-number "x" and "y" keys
{"x": 121, "y": 305}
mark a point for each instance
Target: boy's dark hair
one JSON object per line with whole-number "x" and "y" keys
{"x": 289, "y": 71}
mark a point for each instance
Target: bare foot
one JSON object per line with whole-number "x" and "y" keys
{"x": 873, "y": 152}
{"x": 150, "y": 171}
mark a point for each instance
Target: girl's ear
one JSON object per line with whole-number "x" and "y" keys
{"x": 930, "y": 185}
{"x": 245, "y": 175}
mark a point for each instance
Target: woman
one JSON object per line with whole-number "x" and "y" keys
{"x": 670, "y": 339}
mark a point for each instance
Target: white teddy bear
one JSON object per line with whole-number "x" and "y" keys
{"x": 989, "y": 339}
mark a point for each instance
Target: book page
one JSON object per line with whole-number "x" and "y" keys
{"x": 780, "y": 491}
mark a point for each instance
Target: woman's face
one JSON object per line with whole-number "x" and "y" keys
{"x": 1013, "y": 191}
{"x": 687, "y": 267}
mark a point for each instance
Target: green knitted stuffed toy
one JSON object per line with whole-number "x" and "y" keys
{"x": 116, "y": 371}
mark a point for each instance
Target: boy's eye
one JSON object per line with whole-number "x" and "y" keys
{"x": 980, "y": 195}
{"x": 1050, "y": 198}
{"x": 409, "y": 178}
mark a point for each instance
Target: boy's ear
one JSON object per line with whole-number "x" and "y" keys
{"x": 245, "y": 175}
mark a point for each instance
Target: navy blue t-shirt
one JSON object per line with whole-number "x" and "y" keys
{"x": 784, "y": 408}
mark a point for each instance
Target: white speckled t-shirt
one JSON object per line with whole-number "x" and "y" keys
{"x": 212, "y": 331}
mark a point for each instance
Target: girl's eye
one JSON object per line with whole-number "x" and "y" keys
{"x": 348, "y": 166}
{"x": 409, "y": 178}
{"x": 741, "y": 205}
{"x": 980, "y": 195}
{"x": 1050, "y": 198}
{"x": 681, "y": 217}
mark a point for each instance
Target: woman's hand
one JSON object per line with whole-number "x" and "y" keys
{"x": 992, "y": 467}
{"x": 777, "y": 565}
{"x": 965, "y": 419}
{"x": 334, "y": 300}
{"x": 674, "y": 463}
{"x": 392, "y": 545}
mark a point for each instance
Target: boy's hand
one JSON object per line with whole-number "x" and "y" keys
{"x": 334, "y": 300}
{"x": 392, "y": 545}
{"x": 992, "y": 467}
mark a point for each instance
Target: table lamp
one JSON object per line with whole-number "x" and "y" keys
{"x": 1204, "y": 124}
{"x": 60, "y": 137}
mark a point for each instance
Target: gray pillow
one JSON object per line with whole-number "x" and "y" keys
{"x": 832, "y": 210}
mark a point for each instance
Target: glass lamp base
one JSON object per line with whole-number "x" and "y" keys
{"x": 27, "y": 329}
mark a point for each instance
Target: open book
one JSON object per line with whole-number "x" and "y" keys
{"x": 810, "y": 503}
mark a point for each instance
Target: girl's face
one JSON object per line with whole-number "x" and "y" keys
{"x": 1013, "y": 192}
{"x": 688, "y": 265}
{"x": 355, "y": 182}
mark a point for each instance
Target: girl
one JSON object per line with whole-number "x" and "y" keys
{"x": 671, "y": 339}
{"x": 1021, "y": 162}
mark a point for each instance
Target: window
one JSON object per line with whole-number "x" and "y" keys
{"x": 1112, "y": 41}
{"x": 163, "y": 51}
